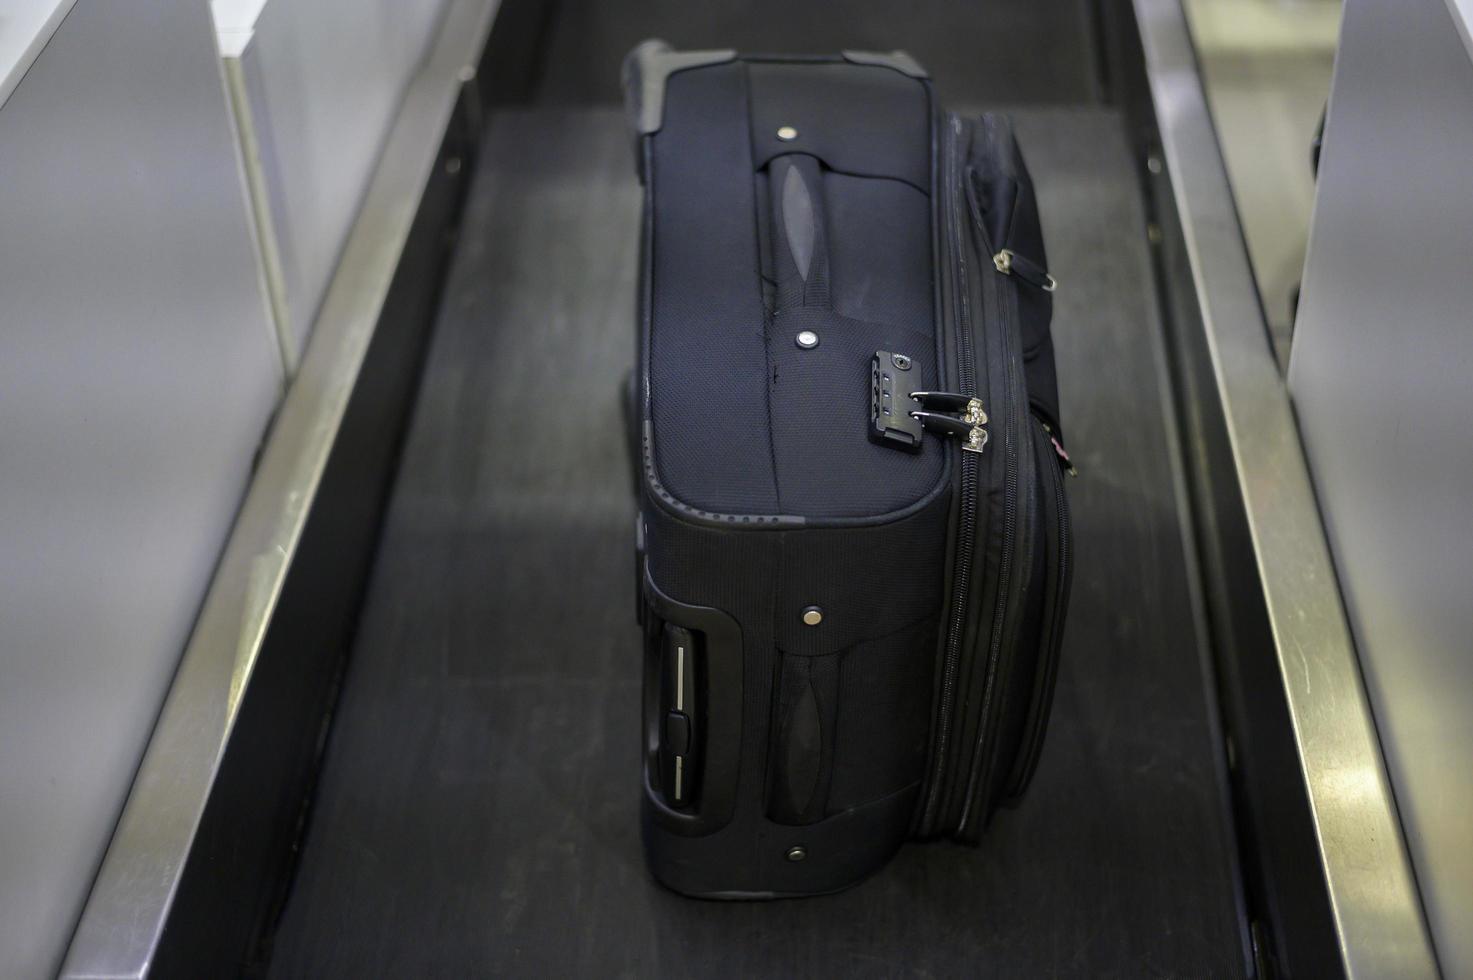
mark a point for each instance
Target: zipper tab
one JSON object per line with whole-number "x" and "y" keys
{"x": 1009, "y": 263}
{"x": 967, "y": 428}
{"x": 968, "y": 407}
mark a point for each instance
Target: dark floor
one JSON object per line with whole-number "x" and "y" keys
{"x": 1039, "y": 51}
{"x": 477, "y": 813}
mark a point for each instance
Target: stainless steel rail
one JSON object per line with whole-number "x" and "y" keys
{"x": 1377, "y": 916}
{"x": 132, "y": 899}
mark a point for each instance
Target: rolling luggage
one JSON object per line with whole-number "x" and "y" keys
{"x": 853, "y": 547}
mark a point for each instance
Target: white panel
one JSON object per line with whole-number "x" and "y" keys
{"x": 317, "y": 83}
{"x": 25, "y": 27}
{"x": 1382, "y": 378}
{"x": 137, "y": 375}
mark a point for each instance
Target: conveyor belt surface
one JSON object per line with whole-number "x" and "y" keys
{"x": 477, "y": 810}
{"x": 1041, "y": 51}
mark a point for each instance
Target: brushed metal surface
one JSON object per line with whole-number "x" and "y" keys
{"x": 130, "y": 904}
{"x": 136, "y": 380}
{"x": 1380, "y": 374}
{"x": 1377, "y": 916}
{"x": 315, "y": 87}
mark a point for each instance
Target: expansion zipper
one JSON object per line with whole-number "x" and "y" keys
{"x": 967, "y": 513}
{"x": 1059, "y": 554}
{"x": 1011, "y": 496}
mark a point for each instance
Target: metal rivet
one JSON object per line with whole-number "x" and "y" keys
{"x": 797, "y": 852}
{"x": 787, "y": 133}
{"x": 812, "y": 616}
{"x": 807, "y": 339}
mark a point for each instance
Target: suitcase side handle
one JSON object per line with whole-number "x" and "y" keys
{"x": 692, "y": 713}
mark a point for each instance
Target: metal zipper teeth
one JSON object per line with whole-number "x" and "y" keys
{"x": 1009, "y": 538}
{"x": 967, "y": 523}
{"x": 1029, "y": 757}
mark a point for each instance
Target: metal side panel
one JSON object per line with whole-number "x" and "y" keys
{"x": 137, "y": 377}
{"x": 1380, "y": 378}
{"x": 187, "y": 884}
{"x": 316, "y": 87}
{"x": 1280, "y": 624}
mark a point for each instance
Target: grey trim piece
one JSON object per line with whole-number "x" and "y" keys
{"x": 751, "y": 522}
{"x": 898, "y": 60}
{"x": 647, "y": 68}
{"x": 133, "y": 896}
{"x": 1362, "y": 855}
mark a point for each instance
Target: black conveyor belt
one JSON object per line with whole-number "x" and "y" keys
{"x": 476, "y": 812}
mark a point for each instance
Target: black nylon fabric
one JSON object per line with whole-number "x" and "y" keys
{"x": 708, "y": 395}
{"x": 879, "y": 245}
{"x": 857, "y": 120}
{"x": 805, "y": 745}
{"x": 745, "y": 420}
{"x": 1010, "y": 212}
{"x": 820, "y": 403}
{"x": 882, "y": 728}
{"x": 870, "y": 681}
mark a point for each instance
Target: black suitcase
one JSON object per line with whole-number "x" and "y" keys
{"x": 853, "y": 540}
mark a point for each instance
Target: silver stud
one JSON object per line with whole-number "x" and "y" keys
{"x": 807, "y": 339}
{"x": 787, "y": 134}
{"x": 797, "y": 852}
{"x": 812, "y": 616}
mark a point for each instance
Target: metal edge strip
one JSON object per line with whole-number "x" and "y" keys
{"x": 132, "y": 896}
{"x": 1377, "y": 911}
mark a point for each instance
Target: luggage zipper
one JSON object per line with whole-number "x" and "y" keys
{"x": 981, "y": 765}
{"x": 967, "y": 508}
{"x": 1057, "y": 586}
{"x": 968, "y": 428}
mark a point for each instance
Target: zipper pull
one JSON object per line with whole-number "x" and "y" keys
{"x": 973, "y": 436}
{"x": 1009, "y": 263}
{"x": 968, "y": 407}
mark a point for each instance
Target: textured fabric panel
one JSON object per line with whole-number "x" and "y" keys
{"x": 819, "y": 400}
{"x": 745, "y": 422}
{"x": 707, "y": 353}
{"x": 867, "y": 121}
{"x": 879, "y": 238}
{"x": 804, "y": 739}
{"x": 884, "y": 716}
{"x": 866, "y": 581}
{"x": 1005, "y": 196}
